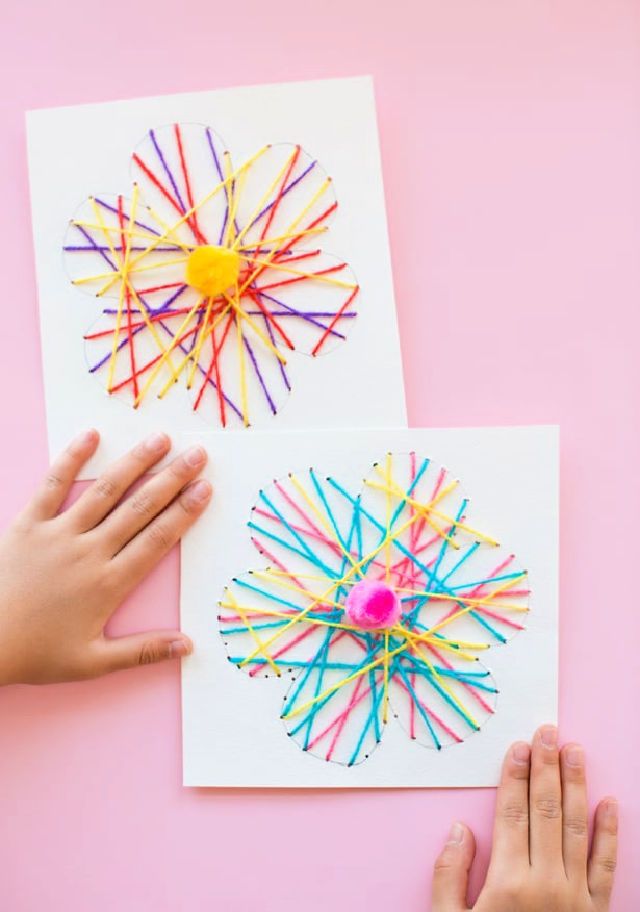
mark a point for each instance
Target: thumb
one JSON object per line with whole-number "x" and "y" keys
{"x": 141, "y": 649}
{"x": 451, "y": 871}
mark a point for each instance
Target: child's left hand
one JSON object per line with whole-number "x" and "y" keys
{"x": 62, "y": 575}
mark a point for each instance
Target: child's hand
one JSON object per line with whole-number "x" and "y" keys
{"x": 540, "y": 858}
{"x": 62, "y": 575}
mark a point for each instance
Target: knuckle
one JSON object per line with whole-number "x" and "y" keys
{"x": 187, "y": 504}
{"x": 150, "y": 653}
{"x": 549, "y": 757}
{"x": 159, "y": 536}
{"x": 142, "y": 504}
{"x": 140, "y": 454}
{"x": 607, "y": 863}
{"x": 574, "y": 776}
{"x": 106, "y": 488}
{"x": 52, "y": 481}
{"x": 179, "y": 468}
{"x": 548, "y": 807}
{"x": 444, "y": 863}
{"x": 576, "y": 826}
{"x": 518, "y": 773}
{"x": 515, "y": 813}
{"x": 572, "y": 773}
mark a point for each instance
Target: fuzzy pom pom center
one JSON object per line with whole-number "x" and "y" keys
{"x": 372, "y": 605}
{"x": 213, "y": 270}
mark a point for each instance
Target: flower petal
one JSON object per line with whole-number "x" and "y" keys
{"x": 307, "y": 299}
{"x": 129, "y": 348}
{"x": 334, "y": 710}
{"x": 241, "y": 376}
{"x": 284, "y": 200}
{"x": 302, "y": 523}
{"x": 270, "y": 629}
{"x": 112, "y": 235}
{"x": 438, "y": 699}
{"x": 452, "y": 577}
{"x": 182, "y": 171}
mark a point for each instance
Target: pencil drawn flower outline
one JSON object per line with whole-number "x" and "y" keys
{"x": 374, "y": 604}
{"x": 212, "y": 274}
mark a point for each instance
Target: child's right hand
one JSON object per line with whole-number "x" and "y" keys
{"x": 540, "y": 861}
{"x": 62, "y": 575}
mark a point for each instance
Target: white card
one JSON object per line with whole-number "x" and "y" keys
{"x": 334, "y": 734}
{"x": 84, "y": 152}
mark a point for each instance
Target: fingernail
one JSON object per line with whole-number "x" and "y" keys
{"x": 182, "y": 647}
{"x": 549, "y": 736}
{"x": 521, "y": 753}
{"x": 199, "y": 492}
{"x": 80, "y": 442}
{"x": 456, "y": 834}
{"x": 611, "y": 808}
{"x": 156, "y": 443}
{"x": 575, "y": 756}
{"x": 195, "y": 456}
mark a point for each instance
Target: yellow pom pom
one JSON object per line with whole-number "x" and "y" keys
{"x": 212, "y": 270}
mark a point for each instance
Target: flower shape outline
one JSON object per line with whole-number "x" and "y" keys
{"x": 407, "y": 532}
{"x": 211, "y": 273}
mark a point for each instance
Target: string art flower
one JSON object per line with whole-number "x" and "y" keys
{"x": 374, "y": 603}
{"x": 211, "y": 274}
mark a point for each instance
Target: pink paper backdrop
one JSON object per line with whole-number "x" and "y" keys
{"x": 511, "y": 146}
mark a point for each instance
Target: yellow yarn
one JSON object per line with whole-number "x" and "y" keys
{"x": 212, "y": 270}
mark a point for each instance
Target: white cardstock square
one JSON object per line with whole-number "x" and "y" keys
{"x": 232, "y": 731}
{"x": 77, "y": 152}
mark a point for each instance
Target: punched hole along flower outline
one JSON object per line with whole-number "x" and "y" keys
{"x": 374, "y": 604}
{"x": 211, "y": 274}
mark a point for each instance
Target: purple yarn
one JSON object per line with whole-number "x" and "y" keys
{"x": 96, "y": 248}
{"x": 283, "y": 373}
{"x": 289, "y": 187}
{"x": 204, "y": 373}
{"x": 301, "y": 314}
{"x": 111, "y": 311}
{"x": 259, "y": 374}
{"x": 167, "y": 169}
{"x": 135, "y": 222}
{"x": 216, "y": 162}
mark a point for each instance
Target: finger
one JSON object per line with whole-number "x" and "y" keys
{"x": 575, "y": 821}
{"x": 140, "y": 649}
{"x": 55, "y": 488}
{"x": 104, "y": 494}
{"x": 604, "y": 852}
{"x": 545, "y": 801}
{"x": 511, "y": 827}
{"x": 137, "y": 511}
{"x": 451, "y": 871}
{"x": 149, "y": 547}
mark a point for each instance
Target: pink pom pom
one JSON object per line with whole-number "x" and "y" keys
{"x": 372, "y": 605}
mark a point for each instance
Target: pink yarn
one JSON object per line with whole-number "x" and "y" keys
{"x": 372, "y": 604}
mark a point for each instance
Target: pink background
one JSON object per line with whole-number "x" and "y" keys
{"x": 511, "y": 147}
